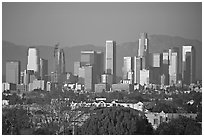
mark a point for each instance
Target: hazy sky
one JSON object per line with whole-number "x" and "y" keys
{"x": 93, "y": 23}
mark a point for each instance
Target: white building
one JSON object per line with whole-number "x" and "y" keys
{"x": 37, "y": 84}
{"x": 144, "y": 77}
{"x": 33, "y": 59}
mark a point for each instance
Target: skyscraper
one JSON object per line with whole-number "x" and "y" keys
{"x": 155, "y": 68}
{"x": 173, "y": 67}
{"x": 137, "y": 68}
{"x": 13, "y": 72}
{"x": 143, "y": 51}
{"x": 165, "y": 67}
{"x": 188, "y": 64}
{"x": 81, "y": 75}
{"x": 88, "y": 58}
{"x": 127, "y": 67}
{"x": 77, "y": 65}
{"x": 100, "y": 65}
{"x": 59, "y": 63}
{"x": 88, "y": 81}
{"x": 33, "y": 60}
{"x": 59, "y": 60}
{"x": 43, "y": 69}
{"x": 144, "y": 77}
{"x": 111, "y": 58}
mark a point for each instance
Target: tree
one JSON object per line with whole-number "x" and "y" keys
{"x": 116, "y": 121}
{"x": 43, "y": 131}
{"x": 14, "y": 120}
{"x": 14, "y": 99}
{"x": 179, "y": 126}
{"x": 167, "y": 107}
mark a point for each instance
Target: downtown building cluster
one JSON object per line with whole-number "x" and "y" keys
{"x": 96, "y": 72}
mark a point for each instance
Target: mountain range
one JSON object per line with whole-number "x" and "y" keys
{"x": 157, "y": 43}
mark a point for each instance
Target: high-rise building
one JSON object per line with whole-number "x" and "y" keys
{"x": 188, "y": 64}
{"x": 59, "y": 63}
{"x": 81, "y": 76}
{"x": 137, "y": 68}
{"x": 155, "y": 61}
{"x": 13, "y": 72}
{"x": 127, "y": 67}
{"x": 89, "y": 58}
{"x": 111, "y": 58}
{"x": 33, "y": 60}
{"x": 173, "y": 67}
{"x": 143, "y": 51}
{"x": 165, "y": 67}
{"x": 178, "y": 50}
{"x": 43, "y": 69}
{"x": 77, "y": 65}
{"x": 100, "y": 65}
{"x": 22, "y": 77}
{"x": 107, "y": 79}
{"x": 88, "y": 82}
{"x": 59, "y": 60}
{"x": 144, "y": 77}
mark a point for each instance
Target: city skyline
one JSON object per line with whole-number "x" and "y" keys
{"x": 65, "y": 74}
{"x": 163, "y": 69}
{"x": 69, "y": 23}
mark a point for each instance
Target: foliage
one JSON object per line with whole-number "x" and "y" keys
{"x": 179, "y": 126}
{"x": 43, "y": 131}
{"x": 13, "y": 120}
{"x": 167, "y": 107}
{"x": 116, "y": 121}
{"x": 14, "y": 99}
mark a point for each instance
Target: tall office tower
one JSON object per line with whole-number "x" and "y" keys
{"x": 155, "y": 68}
{"x": 144, "y": 77}
{"x": 165, "y": 66}
{"x": 13, "y": 72}
{"x": 59, "y": 63}
{"x": 89, "y": 58}
{"x": 59, "y": 60}
{"x": 100, "y": 65}
{"x": 77, "y": 65}
{"x": 128, "y": 68}
{"x": 143, "y": 51}
{"x": 137, "y": 68}
{"x": 33, "y": 60}
{"x": 173, "y": 67}
{"x": 29, "y": 76}
{"x": 188, "y": 64}
{"x": 81, "y": 75}
{"x": 178, "y": 50}
{"x": 22, "y": 77}
{"x": 62, "y": 61}
{"x": 88, "y": 81}
{"x": 111, "y": 58}
{"x": 43, "y": 69}
{"x": 25, "y": 78}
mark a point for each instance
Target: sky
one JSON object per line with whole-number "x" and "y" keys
{"x": 73, "y": 24}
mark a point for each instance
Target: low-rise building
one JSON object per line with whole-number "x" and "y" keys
{"x": 8, "y": 86}
{"x": 36, "y": 84}
{"x": 122, "y": 87}
{"x": 102, "y": 87}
